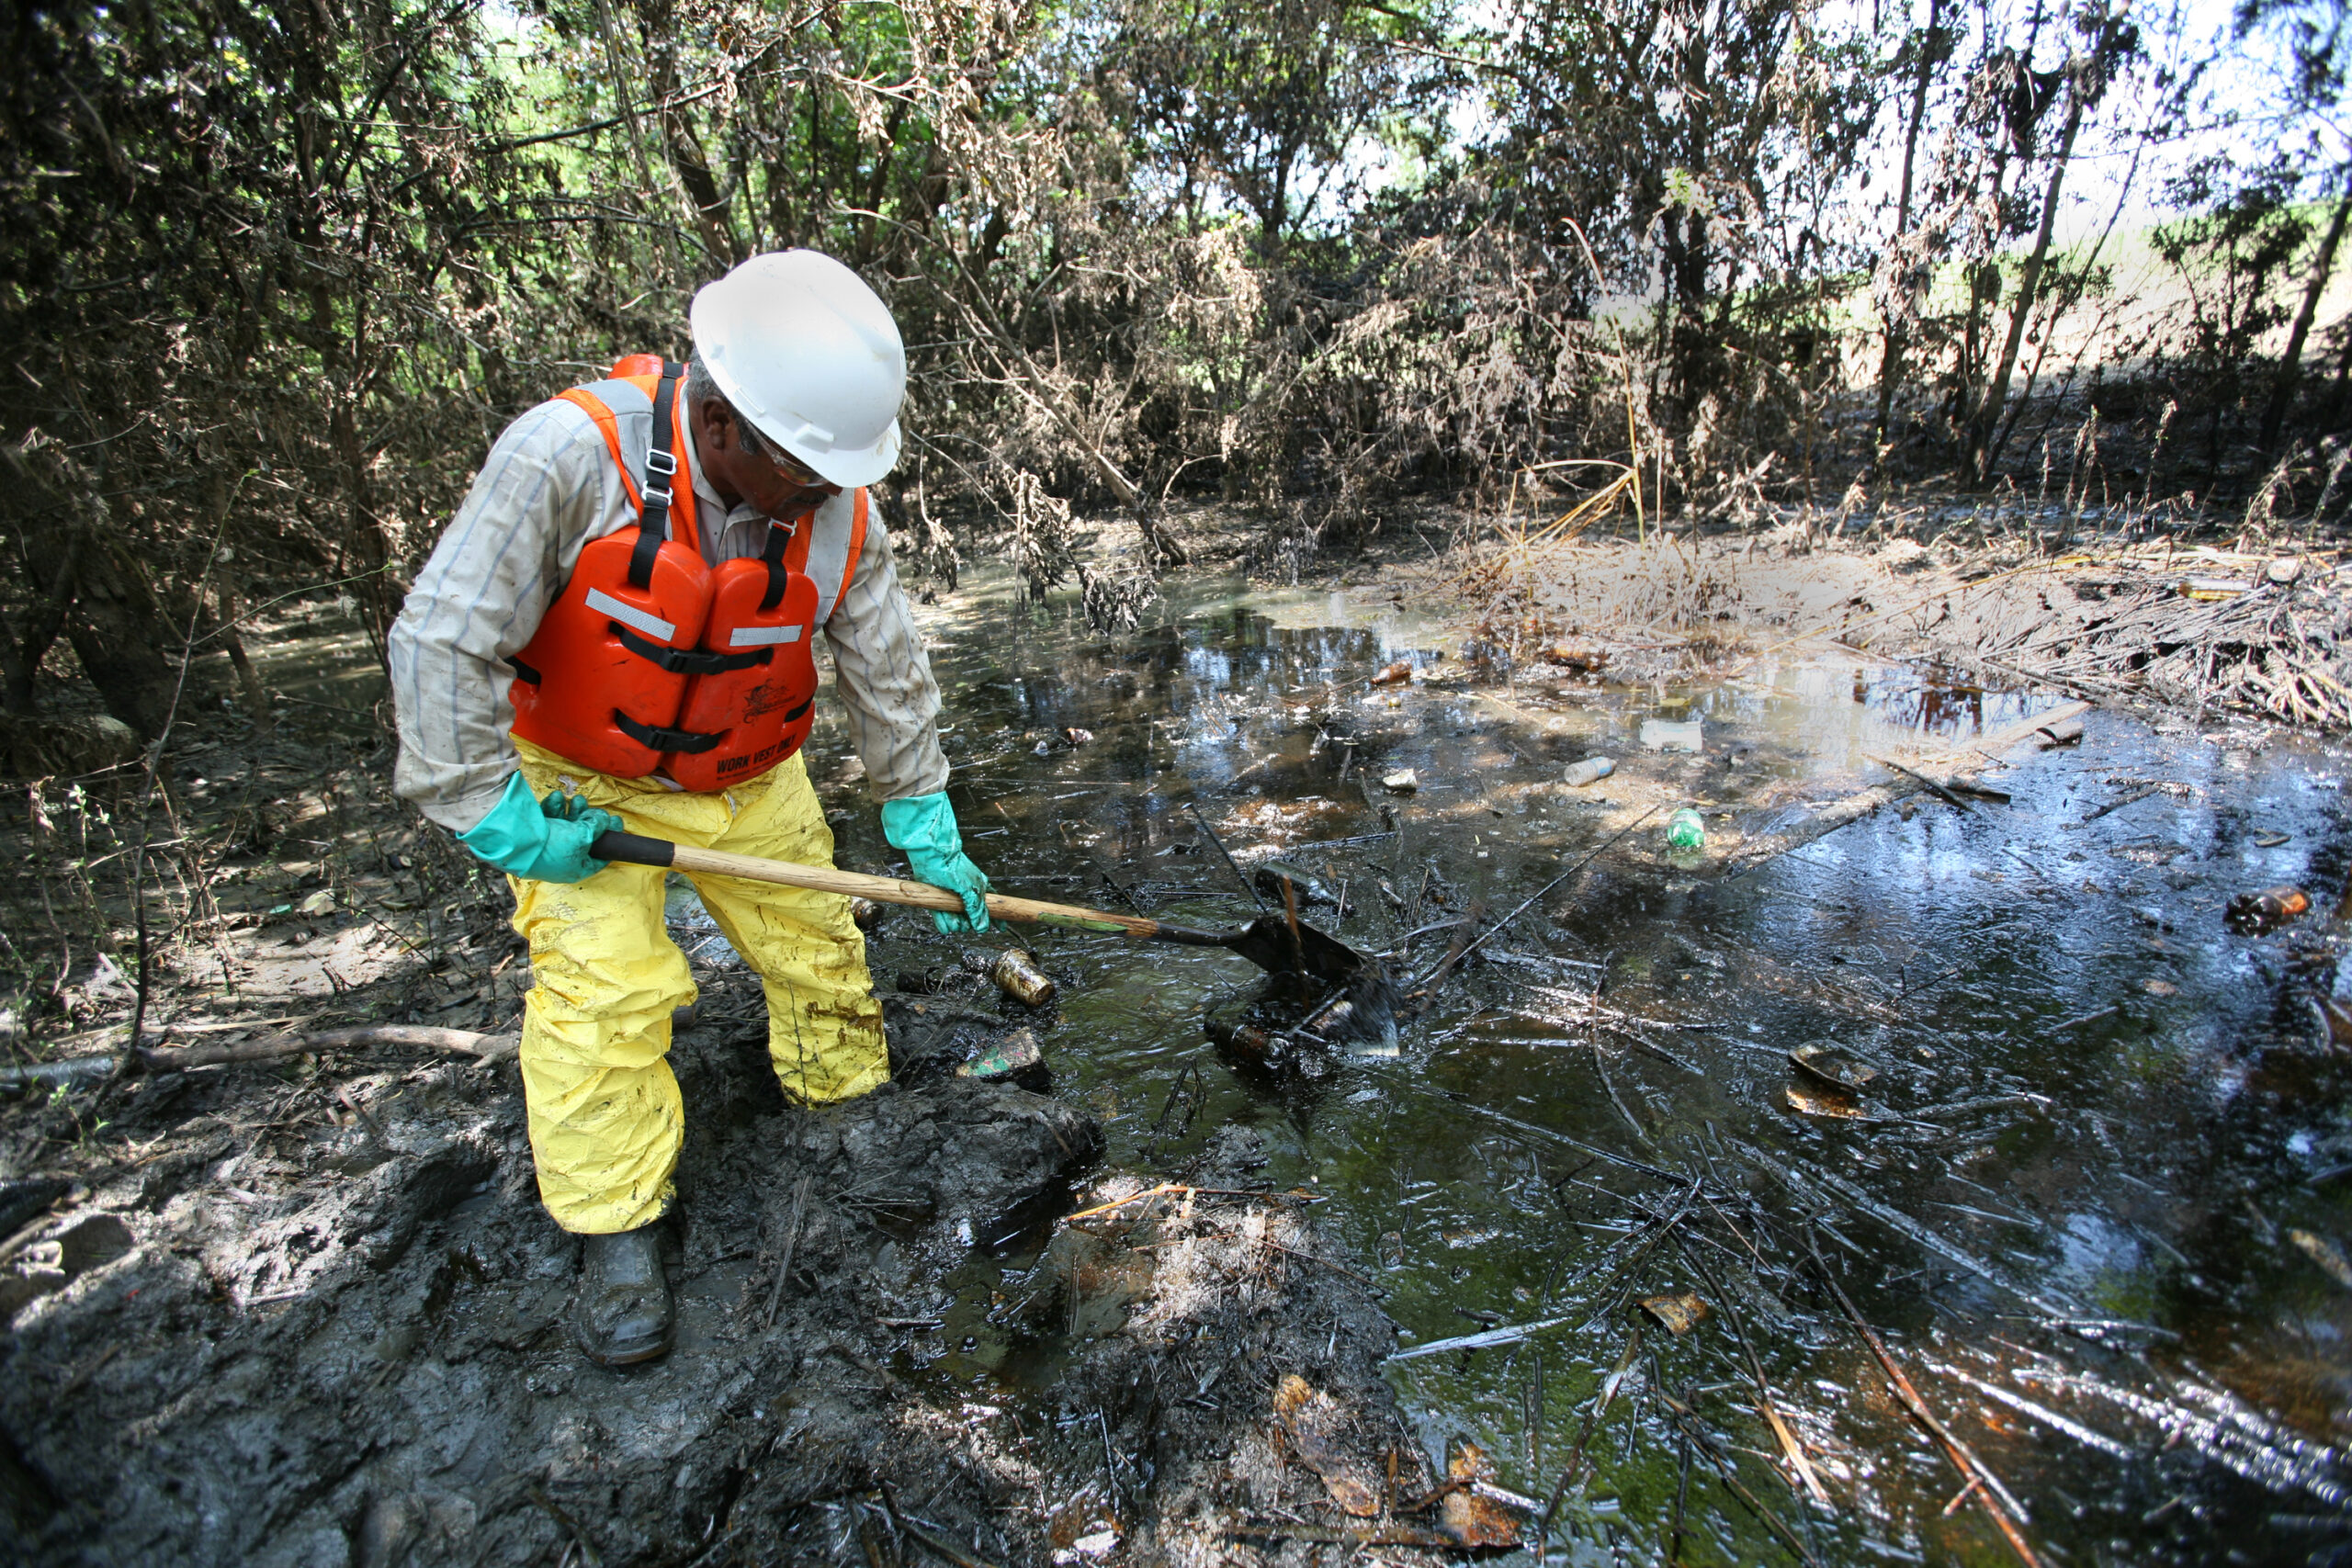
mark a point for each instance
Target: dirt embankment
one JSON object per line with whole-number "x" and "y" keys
{"x": 272, "y": 1332}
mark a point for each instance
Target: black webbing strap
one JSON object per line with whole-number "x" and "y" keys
{"x": 773, "y": 555}
{"x": 792, "y": 716}
{"x": 687, "y": 661}
{"x": 684, "y": 741}
{"x": 522, "y": 671}
{"x": 660, "y": 467}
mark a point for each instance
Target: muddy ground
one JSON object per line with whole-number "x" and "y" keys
{"x": 316, "y": 1316}
{"x": 275, "y": 1313}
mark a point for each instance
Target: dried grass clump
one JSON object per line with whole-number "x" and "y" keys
{"x": 2201, "y": 631}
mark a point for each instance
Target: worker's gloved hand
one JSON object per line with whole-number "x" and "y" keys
{"x": 543, "y": 842}
{"x": 924, "y": 826}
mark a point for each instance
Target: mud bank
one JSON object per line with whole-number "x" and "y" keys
{"x": 277, "y": 1335}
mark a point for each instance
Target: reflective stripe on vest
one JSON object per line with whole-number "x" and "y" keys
{"x": 651, "y": 659}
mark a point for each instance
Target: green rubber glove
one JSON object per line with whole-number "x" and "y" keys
{"x": 924, "y": 826}
{"x": 544, "y": 841}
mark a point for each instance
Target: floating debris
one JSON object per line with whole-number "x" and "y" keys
{"x": 1397, "y": 674}
{"x": 1671, "y": 735}
{"x": 2251, "y": 913}
{"x": 1677, "y": 1314}
{"x": 1593, "y": 769}
{"x": 1015, "y": 973}
{"x": 1016, "y": 1053}
{"x": 1814, "y": 1100}
{"x": 1832, "y": 1067}
{"x": 1471, "y": 1516}
{"x": 1404, "y": 781}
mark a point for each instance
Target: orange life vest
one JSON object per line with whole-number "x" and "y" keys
{"x": 650, "y": 660}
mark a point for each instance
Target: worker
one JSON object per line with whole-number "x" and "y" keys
{"x": 616, "y": 632}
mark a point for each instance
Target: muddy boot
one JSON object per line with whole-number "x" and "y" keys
{"x": 622, "y": 1315}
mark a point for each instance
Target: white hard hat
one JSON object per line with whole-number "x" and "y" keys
{"x": 809, "y": 355}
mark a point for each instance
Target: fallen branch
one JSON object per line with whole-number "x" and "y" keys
{"x": 160, "y": 1059}
{"x": 1946, "y": 772}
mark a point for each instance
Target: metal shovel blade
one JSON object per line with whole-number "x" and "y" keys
{"x": 1273, "y": 944}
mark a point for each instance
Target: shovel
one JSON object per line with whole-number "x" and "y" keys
{"x": 1276, "y": 943}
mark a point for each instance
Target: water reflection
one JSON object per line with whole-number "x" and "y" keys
{"x": 2086, "y": 1088}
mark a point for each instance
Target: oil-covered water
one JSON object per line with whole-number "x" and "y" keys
{"x": 2091, "y": 1197}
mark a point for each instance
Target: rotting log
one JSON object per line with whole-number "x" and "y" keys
{"x": 153, "y": 1059}
{"x": 1945, "y": 772}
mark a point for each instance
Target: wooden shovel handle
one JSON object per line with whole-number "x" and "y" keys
{"x": 639, "y": 851}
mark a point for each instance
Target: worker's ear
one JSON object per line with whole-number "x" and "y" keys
{"x": 714, "y": 426}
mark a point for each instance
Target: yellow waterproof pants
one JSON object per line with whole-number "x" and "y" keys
{"x": 604, "y": 1114}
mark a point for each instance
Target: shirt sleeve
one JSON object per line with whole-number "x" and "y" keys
{"x": 884, "y": 677}
{"x": 478, "y": 600}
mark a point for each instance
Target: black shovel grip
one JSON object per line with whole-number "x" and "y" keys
{"x": 634, "y": 850}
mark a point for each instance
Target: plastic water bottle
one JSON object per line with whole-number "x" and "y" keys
{"x": 1685, "y": 832}
{"x": 1593, "y": 769}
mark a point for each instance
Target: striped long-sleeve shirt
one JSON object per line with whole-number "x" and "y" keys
{"x": 549, "y": 487}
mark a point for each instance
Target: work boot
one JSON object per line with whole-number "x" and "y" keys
{"x": 622, "y": 1315}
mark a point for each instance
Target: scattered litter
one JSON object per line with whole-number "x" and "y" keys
{"x": 1684, "y": 830}
{"x": 866, "y": 913}
{"x": 2270, "y": 841}
{"x": 1670, "y": 735}
{"x": 1404, "y": 780}
{"x": 1677, "y": 1314}
{"x": 317, "y": 904}
{"x": 2325, "y": 1253}
{"x": 2286, "y": 569}
{"x": 2062, "y": 732}
{"x": 1593, "y": 769}
{"x": 1317, "y": 1426}
{"x": 2209, "y": 590}
{"x": 1078, "y": 737}
{"x": 1815, "y": 1100}
{"x": 2160, "y": 989}
{"x": 1832, "y": 1065}
{"x": 1468, "y": 1515}
{"x": 1397, "y": 674}
{"x": 2250, "y": 913}
{"x": 1582, "y": 659}
{"x": 1016, "y": 1053}
{"x": 1015, "y": 973}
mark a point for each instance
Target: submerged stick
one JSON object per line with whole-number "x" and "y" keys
{"x": 1246, "y": 885}
{"x": 1771, "y": 1412}
{"x": 1454, "y": 959}
{"x": 1687, "y": 1420}
{"x": 1966, "y": 1463}
{"x": 1616, "y": 1380}
{"x": 1919, "y": 777}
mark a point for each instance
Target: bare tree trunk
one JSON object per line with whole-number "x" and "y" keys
{"x": 1985, "y": 451}
{"x": 2291, "y": 363}
{"x": 1898, "y": 316}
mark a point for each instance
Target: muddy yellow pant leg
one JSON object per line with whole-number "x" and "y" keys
{"x": 605, "y": 1119}
{"x": 605, "y": 1115}
{"x": 824, "y": 1026}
